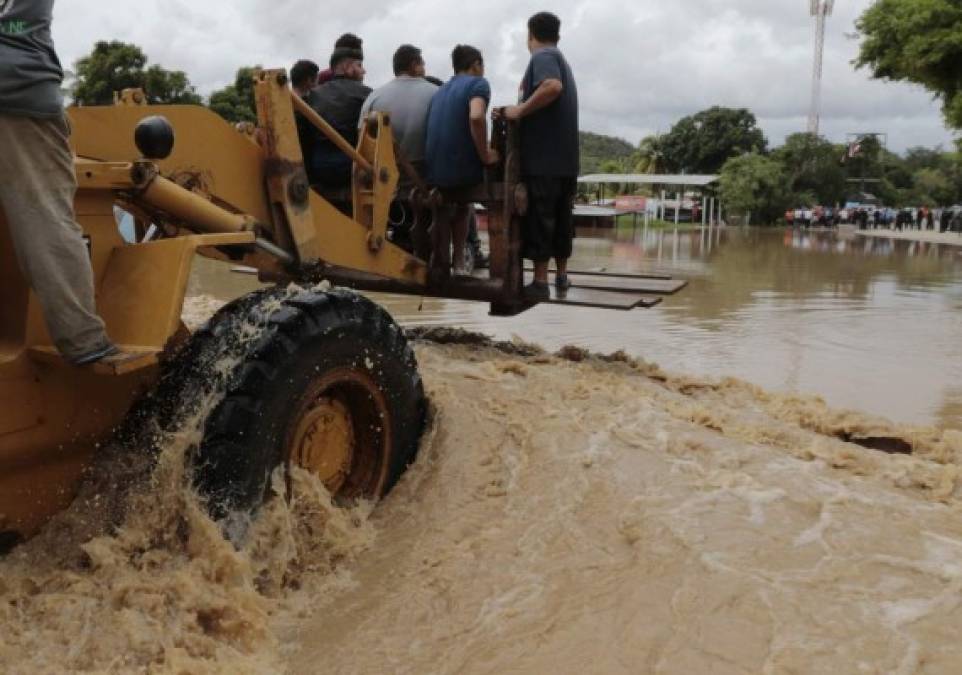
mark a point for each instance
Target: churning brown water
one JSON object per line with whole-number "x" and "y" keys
{"x": 869, "y": 324}
{"x": 567, "y": 513}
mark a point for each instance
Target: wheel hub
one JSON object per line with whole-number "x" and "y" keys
{"x": 324, "y": 442}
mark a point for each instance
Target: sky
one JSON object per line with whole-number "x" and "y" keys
{"x": 640, "y": 64}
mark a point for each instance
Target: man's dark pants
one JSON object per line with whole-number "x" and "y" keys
{"x": 548, "y": 230}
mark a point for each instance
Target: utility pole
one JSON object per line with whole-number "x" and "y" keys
{"x": 821, "y": 10}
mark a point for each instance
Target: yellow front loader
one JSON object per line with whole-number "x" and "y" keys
{"x": 323, "y": 379}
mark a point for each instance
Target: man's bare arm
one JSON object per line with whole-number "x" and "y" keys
{"x": 546, "y": 94}
{"x": 479, "y": 130}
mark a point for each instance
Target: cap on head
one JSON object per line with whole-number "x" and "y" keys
{"x": 348, "y": 46}
{"x": 349, "y": 41}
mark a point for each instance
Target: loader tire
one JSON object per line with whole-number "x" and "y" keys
{"x": 332, "y": 386}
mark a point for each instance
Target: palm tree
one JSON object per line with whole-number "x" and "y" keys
{"x": 647, "y": 158}
{"x": 614, "y": 166}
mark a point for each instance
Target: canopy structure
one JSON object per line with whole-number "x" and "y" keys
{"x": 592, "y": 215}
{"x": 678, "y": 183}
{"x": 687, "y": 180}
{"x": 593, "y": 211}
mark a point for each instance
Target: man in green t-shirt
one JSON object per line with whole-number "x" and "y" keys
{"x": 37, "y": 183}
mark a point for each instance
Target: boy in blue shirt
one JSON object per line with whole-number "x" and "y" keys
{"x": 456, "y": 152}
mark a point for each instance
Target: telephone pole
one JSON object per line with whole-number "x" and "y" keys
{"x": 821, "y": 10}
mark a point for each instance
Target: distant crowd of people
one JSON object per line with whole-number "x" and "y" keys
{"x": 441, "y": 131}
{"x": 942, "y": 219}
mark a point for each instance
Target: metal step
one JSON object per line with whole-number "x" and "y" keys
{"x": 610, "y": 275}
{"x": 135, "y": 358}
{"x": 588, "y": 297}
{"x": 600, "y": 299}
{"x": 624, "y": 284}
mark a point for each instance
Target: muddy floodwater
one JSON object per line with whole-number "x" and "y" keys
{"x": 873, "y": 325}
{"x": 572, "y": 509}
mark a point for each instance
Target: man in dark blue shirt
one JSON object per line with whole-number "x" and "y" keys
{"x": 456, "y": 151}
{"x": 549, "y": 153}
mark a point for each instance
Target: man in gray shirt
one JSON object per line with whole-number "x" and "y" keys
{"x": 406, "y": 99}
{"x": 37, "y": 183}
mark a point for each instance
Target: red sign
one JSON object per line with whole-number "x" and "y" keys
{"x": 631, "y": 203}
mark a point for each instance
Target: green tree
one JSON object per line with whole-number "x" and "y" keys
{"x": 931, "y": 187}
{"x": 114, "y": 66}
{"x": 954, "y": 173}
{"x": 934, "y": 176}
{"x": 169, "y": 87}
{"x": 889, "y": 194}
{"x": 598, "y": 148}
{"x": 109, "y": 68}
{"x": 703, "y": 142}
{"x": 648, "y": 157}
{"x": 235, "y": 102}
{"x": 926, "y": 158}
{"x": 896, "y": 170}
{"x": 614, "y": 166}
{"x": 916, "y": 41}
{"x": 812, "y": 169}
{"x": 755, "y": 188}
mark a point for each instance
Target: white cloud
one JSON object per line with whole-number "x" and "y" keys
{"x": 640, "y": 65}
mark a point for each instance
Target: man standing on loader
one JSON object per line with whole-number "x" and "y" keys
{"x": 339, "y": 103}
{"x": 456, "y": 152}
{"x": 303, "y": 81}
{"x": 407, "y": 99}
{"x": 37, "y": 183}
{"x": 550, "y": 160}
{"x": 346, "y": 41}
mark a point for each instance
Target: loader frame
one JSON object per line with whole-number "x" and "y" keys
{"x": 238, "y": 195}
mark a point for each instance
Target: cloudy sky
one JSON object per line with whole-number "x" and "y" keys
{"x": 640, "y": 64}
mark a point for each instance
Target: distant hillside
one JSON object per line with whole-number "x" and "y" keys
{"x": 597, "y": 148}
